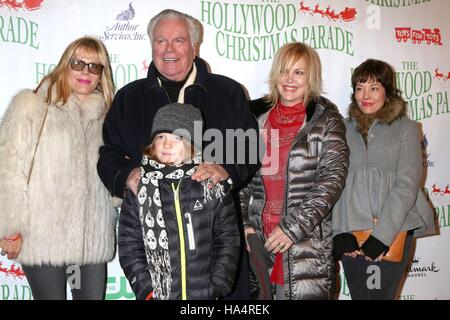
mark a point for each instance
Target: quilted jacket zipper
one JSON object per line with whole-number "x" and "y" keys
{"x": 176, "y": 192}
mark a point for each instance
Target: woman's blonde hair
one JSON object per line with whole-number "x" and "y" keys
{"x": 286, "y": 57}
{"x": 58, "y": 78}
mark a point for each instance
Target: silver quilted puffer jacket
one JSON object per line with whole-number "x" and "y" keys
{"x": 316, "y": 173}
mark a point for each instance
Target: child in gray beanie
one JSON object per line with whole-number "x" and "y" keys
{"x": 178, "y": 238}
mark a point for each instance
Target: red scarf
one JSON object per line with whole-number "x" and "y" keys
{"x": 288, "y": 120}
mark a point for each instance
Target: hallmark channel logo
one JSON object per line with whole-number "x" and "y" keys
{"x": 416, "y": 269}
{"x": 416, "y": 36}
{"x": 27, "y": 5}
{"x": 123, "y": 28}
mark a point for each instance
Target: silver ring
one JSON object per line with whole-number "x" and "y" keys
{"x": 3, "y": 252}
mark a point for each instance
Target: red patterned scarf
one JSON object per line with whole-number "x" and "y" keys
{"x": 288, "y": 121}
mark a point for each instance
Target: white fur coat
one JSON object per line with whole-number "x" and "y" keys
{"x": 65, "y": 214}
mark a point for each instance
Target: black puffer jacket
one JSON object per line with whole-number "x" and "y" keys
{"x": 210, "y": 260}
{"x": 317, "y": 168}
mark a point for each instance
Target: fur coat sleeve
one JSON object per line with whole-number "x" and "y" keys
{"x": 18, "y": 136}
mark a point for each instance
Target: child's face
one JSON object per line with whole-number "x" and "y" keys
{"x": 169, "y": 148}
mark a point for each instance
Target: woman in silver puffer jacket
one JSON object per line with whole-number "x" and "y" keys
{"x": 287, "y": 205}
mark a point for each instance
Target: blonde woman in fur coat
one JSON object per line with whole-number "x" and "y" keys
{"x": 57, "y": 218}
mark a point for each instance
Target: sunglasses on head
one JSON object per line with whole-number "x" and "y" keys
{"x": 78, "y": 65}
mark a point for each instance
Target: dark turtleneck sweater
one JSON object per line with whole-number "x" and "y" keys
{"x": 173, "y": 88}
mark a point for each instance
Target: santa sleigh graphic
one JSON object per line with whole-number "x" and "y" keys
{"x": 13, "y": 270}
{"x": 348, "y": 14}
{"x": 28, "y": 5}
{"x": 441, "y": 75}
{"x": 436, "y": 190}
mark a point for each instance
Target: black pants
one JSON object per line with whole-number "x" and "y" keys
{"x": 361, "y": 275}
{"x": 49, "y": 283}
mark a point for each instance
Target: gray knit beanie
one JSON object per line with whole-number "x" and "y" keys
{"x": 181, "y": 120}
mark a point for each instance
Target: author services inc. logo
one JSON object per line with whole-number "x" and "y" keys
{"x": 123, "y": 28}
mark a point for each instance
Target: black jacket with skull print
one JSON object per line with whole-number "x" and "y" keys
{"x": 201, "y": 268}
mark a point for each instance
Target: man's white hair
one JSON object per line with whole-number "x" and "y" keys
{"x": 193, "y": 24}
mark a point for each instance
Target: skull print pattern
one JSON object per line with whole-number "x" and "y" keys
{"x": 151, "y": 215}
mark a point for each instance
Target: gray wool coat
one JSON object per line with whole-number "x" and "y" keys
{"x": 383, "y": 180}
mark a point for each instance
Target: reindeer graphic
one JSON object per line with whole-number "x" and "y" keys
{"x": 446, "y": 191}
{"x": 438, "y": 74}
{"x": 16, "y": 272}
{"x": 436, "y": 190}
{"x": 29, "y": 5}
{"x": 4, "y": 270}
{"x": 332, "y": 15}
{"x": 303, "y": 8}
{"x": 328, "y": 12}
{"x": 346, "y": 15}
{"x": 145, "y": 66}
{"x": 317, "y": 10}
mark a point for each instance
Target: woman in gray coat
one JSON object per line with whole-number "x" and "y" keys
{"x": 286, "y": 207}
{"x": 382, "y": 183}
